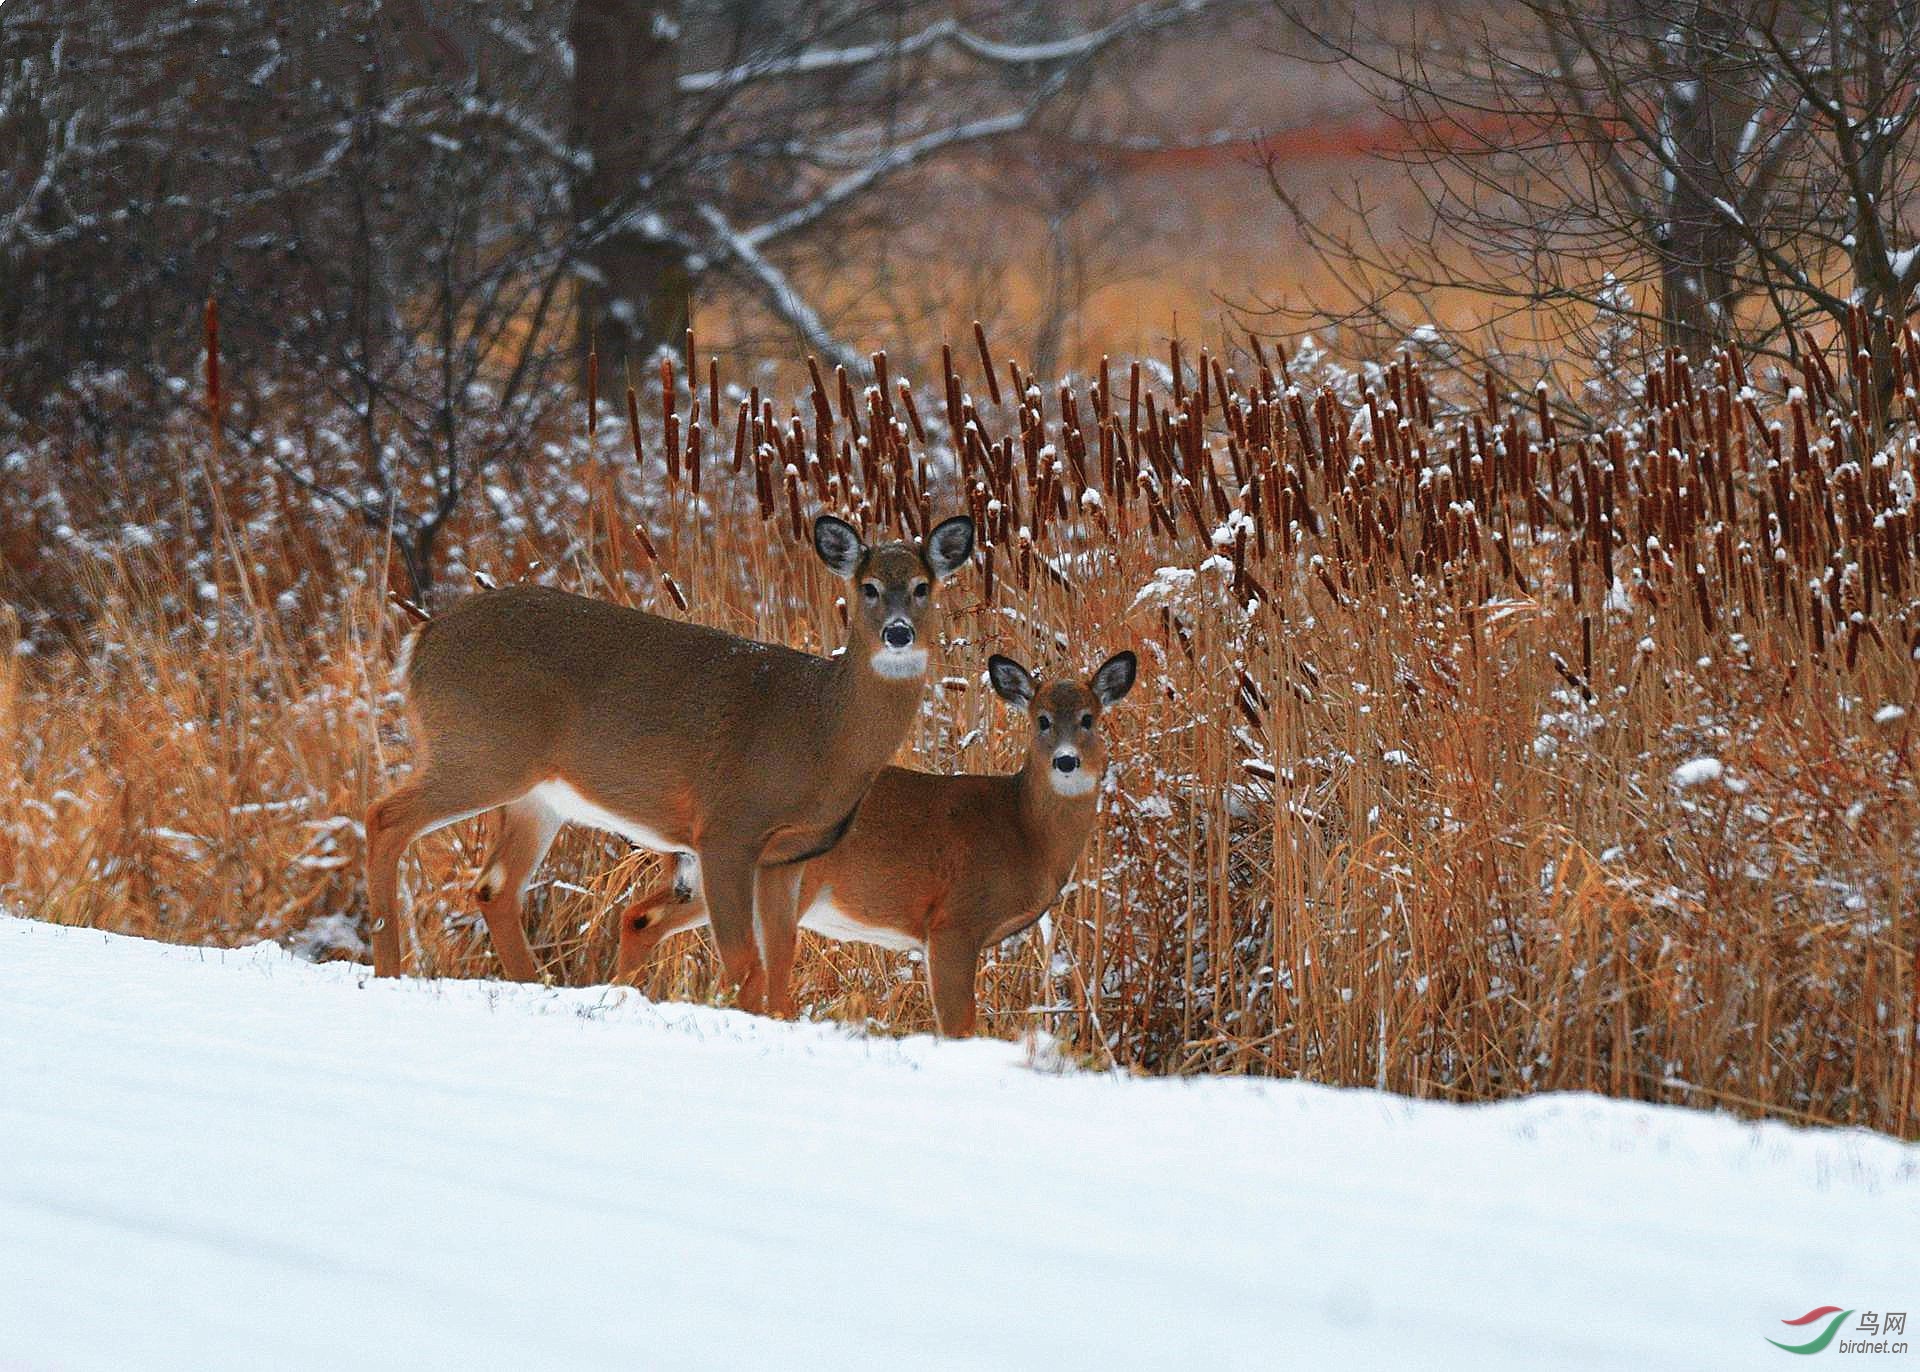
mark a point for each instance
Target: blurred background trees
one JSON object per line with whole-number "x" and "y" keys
{"x": 373, "y": 197}
{"x": 339, "y": 175}
{"x": 426, "y": 211}
{"x": 431, "y": 209}
{"x": 1703, "y": 172}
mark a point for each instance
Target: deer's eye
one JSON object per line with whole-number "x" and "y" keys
{"x": 920, "y": 590}
{"x": 1086, "y": 721}
{"x": 1046, "y": 723}
{"x": 869, "y": 590}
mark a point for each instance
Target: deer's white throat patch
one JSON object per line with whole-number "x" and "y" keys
{"x": 900, "y": 664}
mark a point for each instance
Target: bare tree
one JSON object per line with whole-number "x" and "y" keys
{"x": 360, "y": 186}
{"x": 636, "y": 291}
{"x": 427, "y": 207}
{"x": 1709, "y": 170}
{"x": 817, "y": 119}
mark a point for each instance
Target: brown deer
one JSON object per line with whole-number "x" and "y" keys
{"x": 946, "y": 864}
{"x": 552, "y": 707}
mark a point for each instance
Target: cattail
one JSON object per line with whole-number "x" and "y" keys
{"x": 950, "y": 388}
{"x": 763, "y": 455}
{"x": 412, "y": 611}
{"x": 653, "y": 559}
{"x": 796, "y": 526}
{"x": 986, "y": 361}
{"x": 913, "y": 411}
{"x": 1703, "y": 598}
{"x": 768, "y": 429}
{"x": 1819, "y": 379}
{"x": 848, "y": 410}
{"x": 633, "y": 426}
{"x": 1296, "y": 408}
{"x": 1203, "y": 531}
{"x": 822, "y": 404}
{"x": 1249, "y": 699}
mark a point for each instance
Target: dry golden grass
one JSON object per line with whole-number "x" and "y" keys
{"x": 1401, "y": 799}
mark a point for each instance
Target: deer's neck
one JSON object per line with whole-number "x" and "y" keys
{"x": 1056, "y": 826}
{"x": 875, "y": 713}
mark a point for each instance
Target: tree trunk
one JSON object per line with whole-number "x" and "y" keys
{"x": 1698, "y": 287}
{"x": 635, "y": 294}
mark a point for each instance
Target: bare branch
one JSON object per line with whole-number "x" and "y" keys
{"x": 778, "y": 292}
{"x": 947, "y": 33}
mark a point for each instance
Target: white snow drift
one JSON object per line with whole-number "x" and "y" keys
{"x": 237, "y": 1160}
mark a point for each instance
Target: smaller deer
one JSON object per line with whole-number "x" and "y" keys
{"x": 945, "y": 864}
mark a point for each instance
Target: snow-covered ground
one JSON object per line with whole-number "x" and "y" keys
{"x": 236, "y": 1160}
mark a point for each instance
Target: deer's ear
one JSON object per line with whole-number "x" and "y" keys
{"x": 839, "y": 545}
{"x": 1011, "y": 682}
{"x": 949, "y": 546}
{"x": 1115, "y": 677}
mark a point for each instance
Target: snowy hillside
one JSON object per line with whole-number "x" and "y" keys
{"x": 237, "y": 1160}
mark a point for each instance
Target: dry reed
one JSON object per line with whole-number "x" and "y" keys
{"x": 1474, "y": 757}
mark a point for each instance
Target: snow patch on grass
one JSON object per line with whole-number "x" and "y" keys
{"x": 1698, "y": 771}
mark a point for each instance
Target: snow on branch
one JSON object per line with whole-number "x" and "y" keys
{"x": 1070, "y": 56}
{"x": 778, "y": 291}
{"x": 946, "y": 33}
{"x": 893, "y": 160}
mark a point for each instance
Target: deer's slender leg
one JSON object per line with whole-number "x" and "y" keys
{"x": 727, "y": 876}
{"x": 776, "y": 910}
{"x": 428, "y": 802}
{"x": 953, "y": 962}
{"x": 527, "y": 830}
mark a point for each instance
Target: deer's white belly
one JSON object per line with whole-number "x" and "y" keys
{"x": 827, "y": 919}
{"x": 575, "y": 808}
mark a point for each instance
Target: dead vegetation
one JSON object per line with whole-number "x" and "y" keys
{"x": 1471, "y": 757}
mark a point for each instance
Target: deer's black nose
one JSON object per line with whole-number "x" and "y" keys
{"x": 1066, "y": 762}
{"x": 898, "y": 635}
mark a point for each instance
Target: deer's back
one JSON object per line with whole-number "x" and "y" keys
{"x": 625, "y": 701}
{"x": 922, "y": 845}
